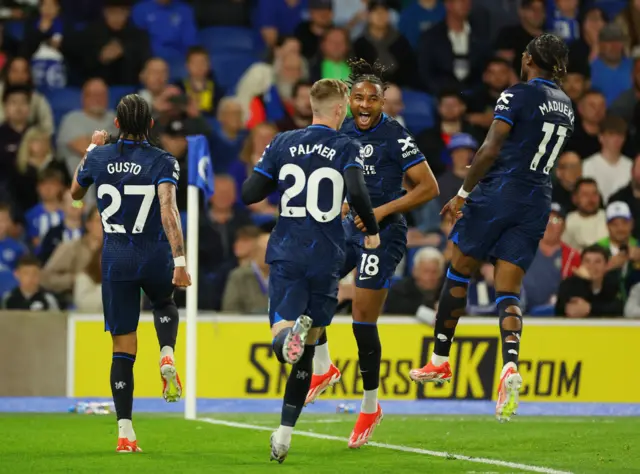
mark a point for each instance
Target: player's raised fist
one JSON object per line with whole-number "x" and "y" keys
{"x": 372, "y": 241}
{"x": 99, "y": 137}
{"x": 181, "y": 277}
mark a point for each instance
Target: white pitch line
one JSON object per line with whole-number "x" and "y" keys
{"x": 395, "y": 447}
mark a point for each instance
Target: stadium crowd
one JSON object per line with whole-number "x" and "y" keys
{"x": 240, "y": 71}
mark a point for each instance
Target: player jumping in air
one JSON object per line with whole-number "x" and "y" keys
{"x": 389, "y": 153}
{"x": 310, "y": 168}
{"x": 136, "y": 187}
{"x": 503, "y": 208}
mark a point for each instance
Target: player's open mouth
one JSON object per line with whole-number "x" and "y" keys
{"x": 365, "y": 118}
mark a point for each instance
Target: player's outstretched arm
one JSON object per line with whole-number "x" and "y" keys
{"x": 360, "y": 200}
{"x": 487, "y": 154}
{"x": 257, "y": 187}
{"x": 173, "y": 229}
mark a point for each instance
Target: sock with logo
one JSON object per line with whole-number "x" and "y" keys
{"x": 369, "y": 356}
{"x": 452, "y": 305}
{"x": 296, "y": 390}
{"x": 122, "y": 384}
{"x": 166, "y": 321}
{"x": 322, "y": 359}
{"x": 510, "y": 325}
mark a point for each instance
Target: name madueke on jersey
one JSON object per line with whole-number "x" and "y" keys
{"x": 556, "y": 106}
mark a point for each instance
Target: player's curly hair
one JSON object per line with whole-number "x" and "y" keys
{"x": 362, "y": 71}
{"x": 134, "y": 116}
{"x": 551, "y": 54}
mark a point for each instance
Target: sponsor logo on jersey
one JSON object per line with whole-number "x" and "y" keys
{"x": 409, "y": 148}
{"x": 366, "y": 151}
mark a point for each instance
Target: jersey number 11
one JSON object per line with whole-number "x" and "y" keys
{"x": 548, "y": 129}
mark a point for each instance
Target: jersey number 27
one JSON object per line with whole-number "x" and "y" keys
{"x": 147, "y": 192}
{"x": 548, "y": 128}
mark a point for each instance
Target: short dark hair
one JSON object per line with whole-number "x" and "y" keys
{"x": 193, "y": 50}
{"x": 50, "y": 174}
{"x": 499, "y": 60}
{"x": 300, "y": 84}
{"x": 613, "y": 124}
{"x": 28, "y": 261}
{"x": 11, "y": 90}
{"x": 589, "y": 92}
{"x": 582, "y": 181}
{"x": 595, "y": 248}
{"x": 449, "y": 92}
{"x": 5, "y": 207}
{"x": 551, "y": 54}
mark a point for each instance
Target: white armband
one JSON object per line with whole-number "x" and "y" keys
{"x": 91, "y": 147}
{"x": 462, "y": 193}
{"x": 180, "y": 261}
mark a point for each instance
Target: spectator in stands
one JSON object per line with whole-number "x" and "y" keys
{"x": 17, "y": 73}
{"x": 575, "y": 84}
{"x": 170, "y": 25}
{"x": 461, "y": 147}
{"x": 261, "y": 76}
{"x": 78, "y": 125}
{"x": 630, "y": 195}
{"x": 562, "y": 20}
{"x": 302, "y": 114}
{"x": 48, "y": 212}
{"x": 87, "y": 290}
{"x": 553, "y": 262}
{"x": 587, "y": 224}
{"x": 418, "y": 294}
{"x": 42, "y": 43}
{"x": 218, "y": 230}
{"x": 34, "y": 156}
{"x": 111, "y": 49}
{"x": 433, "y": 141}
{"x": 632, "y": 306}
{"x": 568, "y": 171}
{"x": 452, "y": 53}
{"x": 275, "y": 101}
{"x": 331, "y": 62}
{"x": 629, "y": 21}
{"x": 625, "y": 105}
{"x": 512, "y": 40}
{"x": 620, "y": 244}
{"x": 69, "y": 229}
{"x": 247, "y": 290}
{"x": 245, "y": 244}
{"x": 10, "y": 249}
{"x": 16, "y": 121}
{"x": 173, "y": 140}
{"x": 609, "y": 168}
{"x": 587, "y": 47}
{"x": 71, "y": 258}
{"x": 418, "y": 16}
{"x": 227, "y": 139}
{"x": 481, "y": 103}
{"x": 393, "y": 103}
{"x": 200, "y": 84}
{"x": 592, "y": 109}
{"x": 174, "y": 107}
{"x": 81, "y": 12}
{"x": 311, "y": 32}
{"x": 352, "y": 15}
{"x": 251, "y": 153}
{"x": 592, "y": 291}
{"x": 279, "y": 18}
{"x": 611, "y": 71}
{"x": 154, "y": 78}
{"x": 29, "y": 296}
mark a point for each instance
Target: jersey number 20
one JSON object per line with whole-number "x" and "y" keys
{"x": 548, "y": 129}
{"x": 147, "y": 192}
{"x": 313, "y": 190}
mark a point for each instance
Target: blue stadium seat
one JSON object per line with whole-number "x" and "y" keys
{"x": 229, "y": 68}
{"x": 419, "y": 110}
{"x": 177, "y": 69}
{"x": 63, "y": 101}
{"x": 118, "y": 92}
{"x": 228, "y": 39}
{"x": 15, "y": 29}
{"x": 611, "y": 7}
{"x": 7, "y": 282}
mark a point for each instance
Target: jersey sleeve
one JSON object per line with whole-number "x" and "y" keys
{"x": 509, "y": 105}
{"x": 405, "y": 150}
{"x": 353, "y": 156}
{"x": 85, "y": 175}
{"x": 169, "y": 171}
{"x": 268, "y": 164}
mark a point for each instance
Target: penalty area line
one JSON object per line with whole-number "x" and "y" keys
{"x": 395, "y": 447}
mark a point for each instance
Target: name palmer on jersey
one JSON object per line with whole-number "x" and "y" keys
{"x": 322, "y": 150}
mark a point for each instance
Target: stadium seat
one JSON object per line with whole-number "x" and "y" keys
{"x": 63, "y": 101}
{"x": 15, "y": 29}
{"x": 118, "y": 92}
{"x": 229, "y": 68}
{"x": 227, "y": 39}
{"x": 611, "y": 7}
{"x": 7, "y": 282}
{"x": 418, "y": 113}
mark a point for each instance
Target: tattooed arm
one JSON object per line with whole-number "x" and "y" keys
{"x": 173, "y": 228}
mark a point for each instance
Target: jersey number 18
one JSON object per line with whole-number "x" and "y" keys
{"x": 548, "y": 129}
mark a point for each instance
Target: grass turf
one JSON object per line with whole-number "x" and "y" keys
{"x": 86, "y": 444}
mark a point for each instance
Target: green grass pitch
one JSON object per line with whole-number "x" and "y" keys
{"x": 86, "y": 444}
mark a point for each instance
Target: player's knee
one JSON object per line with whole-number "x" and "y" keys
{"x": 511, "y": 323}
{"x": 164, "y": 304}
{"x": 127, "y": 343}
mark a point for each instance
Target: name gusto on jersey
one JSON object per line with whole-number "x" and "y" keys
{"x": 124, "y": 167}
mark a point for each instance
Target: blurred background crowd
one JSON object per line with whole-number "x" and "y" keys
{"x": 240, "y": 71}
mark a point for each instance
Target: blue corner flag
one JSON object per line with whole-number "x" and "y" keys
{"x": 200, "y": 166}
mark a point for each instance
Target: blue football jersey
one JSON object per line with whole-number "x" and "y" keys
{"x": 308, "y": 166}
{"x": 126, "y": 176}
{"x": 542, "y": 119}
{"x": 388, "y": 150}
